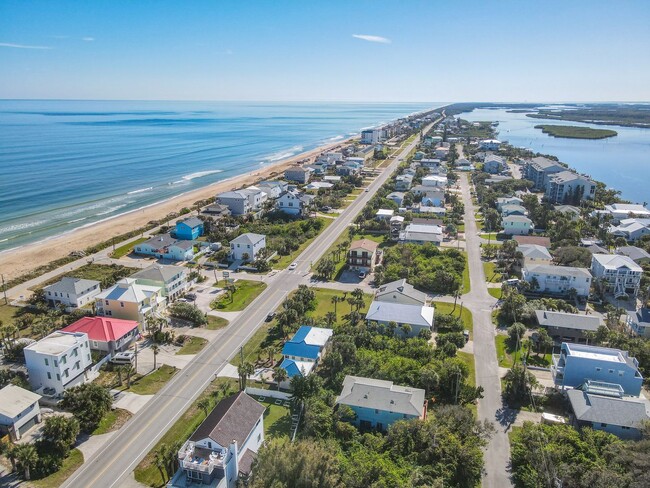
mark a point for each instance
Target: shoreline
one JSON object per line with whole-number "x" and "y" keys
{"x": 20, "y": 260}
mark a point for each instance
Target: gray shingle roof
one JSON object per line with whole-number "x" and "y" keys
{"x": 192, "y": 222}
{"x": 567, "y": 320}
{"x": 72, "y": 285}
{"x": 549, "y": 269}
{"x": 248, "y": 238}
{"x": 400, "y": 286}
{"x": 400, "y": 313}
{"x": 232, "y": 419}
{"x": 381, "y": 395}
{"x": 159, "y": 272}
{"x": 636, "y": 254}
{"x": 624, "y": 412}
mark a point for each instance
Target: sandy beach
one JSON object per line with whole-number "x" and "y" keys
{"x": 16, "y": 262}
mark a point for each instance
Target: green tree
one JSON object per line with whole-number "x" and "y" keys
{"x": 61, "y": 432}
{"x": 89, "y": 403}
{"x": 204, "y": 404}
{"x": 26, "y": 458}
{"x": 279, "y": 375}
{"x": 519, "y": 384}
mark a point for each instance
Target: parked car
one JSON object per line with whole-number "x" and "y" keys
{"x": 362, "y": 274}
{"x": 190, "y": 296}
{"x": 466, "y": 335}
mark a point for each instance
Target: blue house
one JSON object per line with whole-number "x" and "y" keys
{"x": 578, "y": 363}
{"x": 307, "y": 344}
{"x": 189, "y": 229}
{"x": 603, "y": 406}
{"x": 165, "y": 246}
{"x": 378, "y": 403}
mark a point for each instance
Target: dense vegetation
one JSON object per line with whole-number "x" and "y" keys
{"x": 559, "y": 455}
{"x": 576, "y": 132}
{"x": 633, "y": 115}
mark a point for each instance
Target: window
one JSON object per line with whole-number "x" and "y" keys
{"x": 106, "y": 302}
{"x": 58, "y": 377}
{"x": 122, "y": 304}
{"x": 259, "y": 437}
{"x": 47, "y": 362}
{"x": 611, "y": 370}
{"x": 56, "y": 363}
{"x": 598, "y": 369}
{"x": 603, "y": 425}
{"x": 376, "y": 411}
{"x": 49, "y": 376}
{"x": 621, "y": 373}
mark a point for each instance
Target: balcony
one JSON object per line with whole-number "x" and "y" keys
{"x": 201, "y": 459}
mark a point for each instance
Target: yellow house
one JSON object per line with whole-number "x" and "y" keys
{"x": 131, "y": 301}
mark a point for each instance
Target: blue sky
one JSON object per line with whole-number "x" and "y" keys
{"x": 305, "y": 50}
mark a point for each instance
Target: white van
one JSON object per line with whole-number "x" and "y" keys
{"x": 121, "y": 358}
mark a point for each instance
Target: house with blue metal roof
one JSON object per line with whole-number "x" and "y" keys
{"x": 303, "y": 351}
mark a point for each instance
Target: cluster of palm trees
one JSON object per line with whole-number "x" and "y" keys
{"x": 327, "y": 266}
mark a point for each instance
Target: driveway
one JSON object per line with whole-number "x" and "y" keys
{"x": 129, "y": 401}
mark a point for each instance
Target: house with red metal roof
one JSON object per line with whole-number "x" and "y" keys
{"x": 106, "y": 334}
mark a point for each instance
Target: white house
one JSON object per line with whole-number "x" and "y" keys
{"x": 273, "y": 188}
{"x": 508, "y": 201}
{"x": 370, "y": 136}
{"x": 617, "y": 274}
{"x": 403, "y": 182}
{"x": 293, "y": 202}
{"x": 299, "y": 174}
{"x": 384, "y": 214}
{"x": 224, "y": 446}
{"x": 631, "y": 229}
{"x": 59, "y": 361}
{"x": 241, "y": 202}
{"x": 620, "y": 211}
{"x": 401, "y": 292}
{"x": 416, "y": 317}
{"x": 247, "y": 246}
{"x": 513, "y": 209}
{"x": 432, "y": 196}
{"x": 516, "y": 225}
{"x": 489, "y": 145}
{"x": 421, "y": 234}
{"x": 19, "y": 411}
{"x": 558, "y": 280}
{"x": 493, "y": 164}
{"x": 435, "y": 181}
{"x": 534, "y": 254}
{"x": 72, "y": 292}
{"x": 172, "y": 280}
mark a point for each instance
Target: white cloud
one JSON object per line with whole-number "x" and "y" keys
{"x": 379, "y": 39}
{"x": 88, "y": 39}
{"x": 23, "y": 46}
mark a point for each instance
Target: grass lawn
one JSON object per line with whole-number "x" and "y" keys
{"x": 216, "y": 323}
{"x": 150, "y": 384}
{"x": 324, "y": 303}
{"x": 491, "y": 276}
{"x": 146, "y": 472}
{"x": 505, "y": 354}
{"x": 264, "y": 337}
{"x": 285, "y": 261}
{"x": 246, "y": 292}
{"x": 466, "y": 283}
{"x": 491, "y": 235}
{"x": 192, "y": 345}
{"x": 465, "y": 316}
{"x": 7, "y": 313}
{"x": 113, "y": 420}
{"x": 468, "y": 359}
{"x": 277, "y": 420}
{"x": 126, "y": 248}
{"x": 495, "y": 292}
{"x": 70, "y": 465}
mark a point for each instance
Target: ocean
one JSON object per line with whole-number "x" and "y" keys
{"x": 68, "y": 164}
{"x": 620, "y": 162}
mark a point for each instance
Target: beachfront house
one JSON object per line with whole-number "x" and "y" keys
{"x": 273, "y": 188}
{"x": 557, "y": 280}
{"x": 539, "y": 169}
{"x": 164, "y": 246}
{"x": 247, "y": 246}
{"x": 244, "y": 201}
{"x": 616, "y": 274}
{"x": 106, "y": 334}
{"x": 409, "y": 320}
{"x": 377, "y": 404}
{"x": 58, "y": 361}
{"x": 371, "y": 136}
{"x": 578, "y": 363}
{"x": 224, "y": 446}
{"x": 401, "y": 292}
{"x": 293, "y": 202}
{"x": 130, "y": 301}
{"x": 568, "y": 327}
{"x": 603, "y": 406}
{"x": 422, "y": 234}
{"x": 19, "y": 411}
{"x": 189, "y": 229}
{"x": 569, "y": 187}
{"x": 71, "y": 292}
{"x": 172, "y": 280}
{"x": 362, "y": 255}
{"x": 298, "y": 174}
{"x": 631, "y": 229}
{"x": 217, "y": 211}
{"x": 516, "y": 225}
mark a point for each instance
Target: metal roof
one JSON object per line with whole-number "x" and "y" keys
{"x": 381, "y": 395}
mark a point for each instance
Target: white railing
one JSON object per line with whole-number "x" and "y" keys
{"x": 258, "y": 392}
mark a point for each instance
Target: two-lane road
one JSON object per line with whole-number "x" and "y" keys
{"x": 112, "y": 464}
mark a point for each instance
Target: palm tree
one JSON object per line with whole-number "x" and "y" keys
{"x": 155, "y": 348}
{"x": 335, "y": 300}
{"x": 129, "y": 372}
{"x": 270, "y": 351}
{"x": 245, "y": 370}
{"x": 26, "y": 457}
{"x": 204, "y": 404}
{"x": 330, "y": 317}
{"x": 279, "y": 375}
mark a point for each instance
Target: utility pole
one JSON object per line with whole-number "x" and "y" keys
{"x": 136, "y": 357}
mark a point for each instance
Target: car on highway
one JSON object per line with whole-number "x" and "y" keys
{"x": 293, "y": 266}
{"x": 270, "y": 316}
{"x": 367, "y": 189}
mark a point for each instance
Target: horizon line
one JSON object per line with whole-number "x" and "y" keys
{"x": 316, "y": 101}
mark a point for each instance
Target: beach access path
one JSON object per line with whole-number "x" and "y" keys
{"x": 111, "y": 466}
